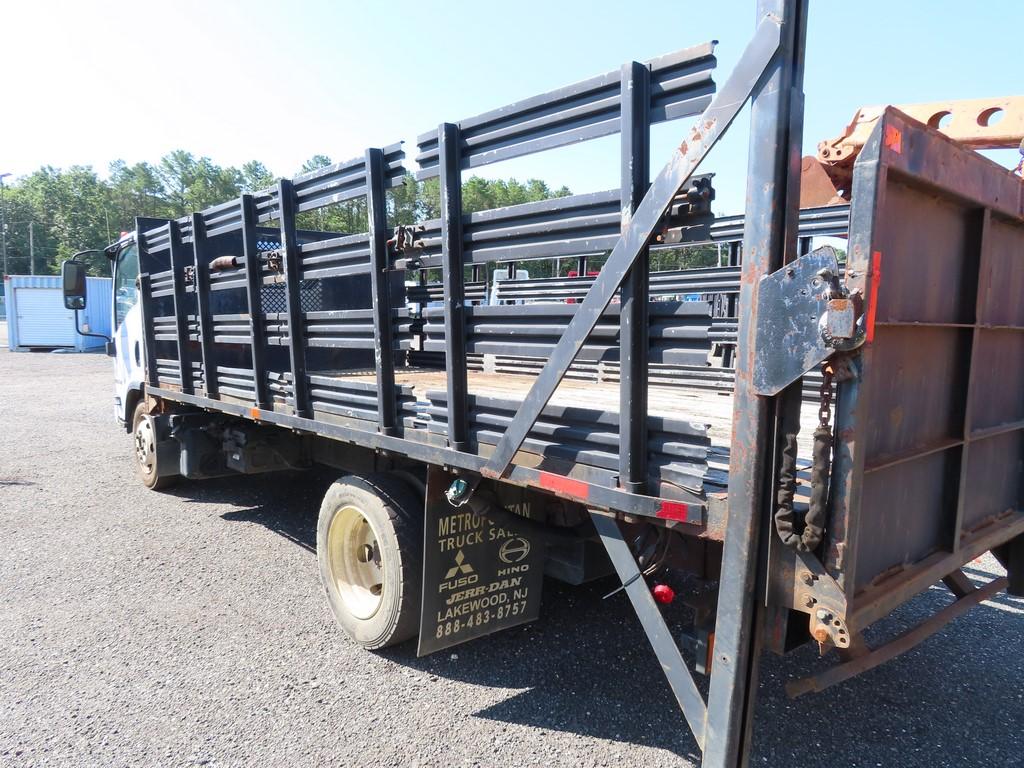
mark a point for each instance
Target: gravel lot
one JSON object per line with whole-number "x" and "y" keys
{"x": 188, "y": 628}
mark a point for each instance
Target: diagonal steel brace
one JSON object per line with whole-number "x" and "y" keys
{"x": 664, "y": 645}
{"x": 712, "y": 123}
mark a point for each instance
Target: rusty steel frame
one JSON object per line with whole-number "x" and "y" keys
{"x": 770, "y": 237}
{"x": 900, "y": 173}
{"x": 996, "y": 123}
{"x": 865, "y": 659}
{"x": 970, "y": 123}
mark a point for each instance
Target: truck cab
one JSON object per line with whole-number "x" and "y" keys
{"x": 126, "y": 325}
{"x": 126, "y": 342}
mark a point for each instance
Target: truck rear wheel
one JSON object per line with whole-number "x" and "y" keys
{"x": 146, "y": 461}
{"x": 368, "y": 541}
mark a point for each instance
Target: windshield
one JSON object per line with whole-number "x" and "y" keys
{"x": 125, "y": 272}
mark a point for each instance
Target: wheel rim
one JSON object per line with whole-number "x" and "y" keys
{"x": 355, "y": 562}
{"x": 145, "y": 445}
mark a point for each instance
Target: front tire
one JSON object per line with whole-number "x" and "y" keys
{"x": 368, "y": 542}
{"x": 146, "y": 456}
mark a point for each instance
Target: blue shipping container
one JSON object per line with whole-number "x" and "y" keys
{"x": 37, "y": 319}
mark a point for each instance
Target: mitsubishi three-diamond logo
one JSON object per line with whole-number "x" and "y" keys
{"x": 460, "y": 566}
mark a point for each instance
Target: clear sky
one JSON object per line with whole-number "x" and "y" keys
{"x": 88, "y": 82}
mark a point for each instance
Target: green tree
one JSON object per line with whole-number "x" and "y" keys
{"x": 135, "y": 190}
{"x": 72, "y": 209}
{"x": 192, "y": 184}
{"x": 316, "y": 162}
{"x": 18, "y": 213}
{"x": 256, "y": 176}
{"x": 483, "y": 194}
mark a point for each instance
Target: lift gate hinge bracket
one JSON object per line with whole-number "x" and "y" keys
{"x": 804, "y": 315}
{"x": 800, "y": 582}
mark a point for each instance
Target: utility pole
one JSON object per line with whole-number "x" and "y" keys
{"x": 3, "y": 222}
{"x": 31, "y": 243}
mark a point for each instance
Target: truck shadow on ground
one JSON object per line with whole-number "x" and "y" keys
{"x": 286, "y": 503}
{"x": 586, "y": 668}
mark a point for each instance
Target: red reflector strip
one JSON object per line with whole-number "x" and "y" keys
{"x": 674, "y": 510}
{"x": 563, "y": 484}
{"x": 876, "y": 278}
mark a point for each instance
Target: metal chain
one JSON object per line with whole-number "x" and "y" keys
{"x": 825, "y": 394}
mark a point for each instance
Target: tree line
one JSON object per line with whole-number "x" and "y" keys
{"x": 54, "y": 213}
{"x": 74, "y": 209}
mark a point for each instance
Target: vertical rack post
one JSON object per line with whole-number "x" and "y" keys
{"x": 454, "y": 289}
{"x": 769, "y": 234}
{"x": 254, "y": 297}
{"x": 146, "y": 304}
{"x": 146, "y": 307}
{"x": 201, "y": 262}
{"x": 633, "y": 316}
{"x": 293, "y": 299}
{"x": 383, "y": 335}
{"x": 178, "y": 259}
{"x": 729, "y": 354}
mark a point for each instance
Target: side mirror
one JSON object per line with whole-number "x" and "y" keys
{"x": 73, "y": 276}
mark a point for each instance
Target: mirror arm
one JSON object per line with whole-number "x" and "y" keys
{"x": 79, "y": 330}
{"x": 78, "y": 327}
{"x": 86, "y": 252}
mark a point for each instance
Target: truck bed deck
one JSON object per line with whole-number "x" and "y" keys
{"x": 710, "y": 409}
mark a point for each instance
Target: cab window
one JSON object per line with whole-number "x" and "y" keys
{"x": 126, "y": 271}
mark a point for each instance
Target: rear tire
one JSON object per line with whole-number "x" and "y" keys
{"x": 368, "y": 541}
{"x": 146, "y": 461}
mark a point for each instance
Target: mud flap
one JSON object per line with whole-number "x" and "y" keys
{"x": 478, "y": 577}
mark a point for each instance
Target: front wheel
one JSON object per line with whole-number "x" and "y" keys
{"x": 368, "y": 541}
{"x": 146, "y": 456}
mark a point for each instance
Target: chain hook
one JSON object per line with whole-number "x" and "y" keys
{"x": 825, "y": 394}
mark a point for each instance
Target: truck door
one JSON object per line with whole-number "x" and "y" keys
{"x": 126, "y": 320}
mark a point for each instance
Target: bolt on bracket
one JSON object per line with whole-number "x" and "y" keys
{"x": 803, "y": 317}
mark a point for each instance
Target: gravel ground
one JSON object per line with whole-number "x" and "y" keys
{"x": 188, "y": 628}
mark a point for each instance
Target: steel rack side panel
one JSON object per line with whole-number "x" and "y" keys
{"x": 574, "y": 225}
{"x": 637, "y": 234}
{"x": 681, "y": 85}
{"x": 931, "y": 452}
{"x": 679, "y": 332}
{"x": 316, "y": 189}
